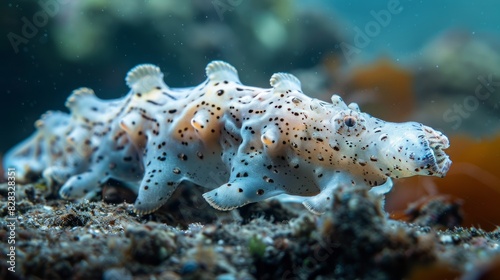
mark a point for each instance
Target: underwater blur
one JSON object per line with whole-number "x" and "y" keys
{"x": 434, "y": 62}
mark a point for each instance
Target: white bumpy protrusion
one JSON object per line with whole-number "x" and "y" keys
{"x": 354, "y": 106}
{"x": 221, "y": 71}
{"x": 144, "y": 77}
{"x": 285, "y": 81}
{"x": 78, "y": 94}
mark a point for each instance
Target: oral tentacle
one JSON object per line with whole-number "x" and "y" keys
{"x": 438, "y": 142}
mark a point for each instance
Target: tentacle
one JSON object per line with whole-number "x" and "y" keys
{"x": 83, "y": 185}
{"x": 240, "y": 192}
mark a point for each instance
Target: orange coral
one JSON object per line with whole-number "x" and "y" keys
{"x": 435, "y": 271}
{"x": 382, "y": 81}
{"x": 473, "y": 178}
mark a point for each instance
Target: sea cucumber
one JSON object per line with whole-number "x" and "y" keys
{"x": 243, "y": 143}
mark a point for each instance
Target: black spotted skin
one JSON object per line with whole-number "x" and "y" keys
{"x": 243, "y": 143}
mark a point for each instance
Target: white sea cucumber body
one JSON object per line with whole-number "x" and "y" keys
{"x": 243, "y": 143}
